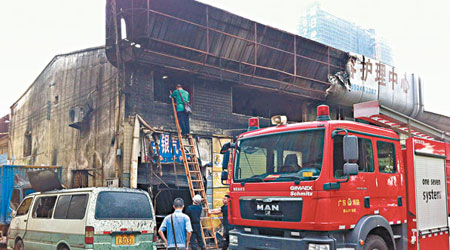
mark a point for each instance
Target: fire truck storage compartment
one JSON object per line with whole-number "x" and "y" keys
{"x": 427, "y": 194}
{"x": 430, "y": 193}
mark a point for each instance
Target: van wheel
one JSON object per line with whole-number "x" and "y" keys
{"x": 375, "y": 242}
{"x": 63, "y": 247}
{"x": 19, "y": 245}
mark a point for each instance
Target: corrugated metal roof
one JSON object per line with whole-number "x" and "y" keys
{"x": 188, "y": 35}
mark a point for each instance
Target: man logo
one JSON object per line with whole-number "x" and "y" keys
{"x": 268, "y": 208}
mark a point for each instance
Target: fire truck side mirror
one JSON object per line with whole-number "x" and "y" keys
{"x": 225, "y": 148}
{"x": 350, "y": 169}
{"x": 224, "y": 177}
{"x": 350, "y": 148}
{"x": 225, "y": 160}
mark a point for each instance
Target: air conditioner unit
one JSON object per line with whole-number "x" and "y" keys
{"x": 112, "y": 182}
{"x": 76, "y": 117}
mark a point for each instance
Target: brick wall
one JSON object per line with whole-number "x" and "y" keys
{"x": 212, "y": 112}
{"x": 212, "y": 103}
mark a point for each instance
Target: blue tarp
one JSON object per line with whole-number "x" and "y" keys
{"x": 8, "y": 182}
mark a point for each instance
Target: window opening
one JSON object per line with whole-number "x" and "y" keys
{"x": 43, "y": 207}
{"x": 62, "y": 207}
{"x": 77, "y": 207}
{"x": 24, "y": 207}
{"x": 365, "y": 161}
{"x": 365, "y": 152}
{"x": 131, "y": 206}
{"x": 71, "y": 206}
{"x": 280, "y": 157}
{"x": 386, "y": 157}
{"x": 80, "y": 178}
{"x": 164, "y": 83}
{"x": 28, "y": 143}
{"x": 255, "y": 102}
{"x": 15, "y": 198}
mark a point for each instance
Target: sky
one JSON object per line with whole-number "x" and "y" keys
{"x": 33, "y": 32}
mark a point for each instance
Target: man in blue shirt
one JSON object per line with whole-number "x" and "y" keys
{"x": 194, "y": 212}
{"x": 181, "y": 97}
{"x": 178, "y": 222}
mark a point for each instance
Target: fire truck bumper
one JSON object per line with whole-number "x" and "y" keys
{"x": 242, "y": 240}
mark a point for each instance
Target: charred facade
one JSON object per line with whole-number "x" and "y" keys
{"x": 99, "y": 111}
{"x": 74, "y": 89}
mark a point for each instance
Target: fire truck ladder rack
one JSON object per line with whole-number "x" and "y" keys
{"x": 376, "y": 113}
{"x": 195, "y": 182}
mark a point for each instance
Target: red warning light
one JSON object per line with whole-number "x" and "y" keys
{"x": 323, "y": 113}
{"x": 253, "y": 123}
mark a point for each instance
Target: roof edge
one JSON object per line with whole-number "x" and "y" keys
{"x": 50, "y": 63}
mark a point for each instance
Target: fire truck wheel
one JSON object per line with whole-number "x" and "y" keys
{"x": 19, "y": 245}
{"x": 375, "y": 242}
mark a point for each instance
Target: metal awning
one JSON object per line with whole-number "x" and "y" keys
{"x": 375, "y": 113}
{"x": 193, "y": 37}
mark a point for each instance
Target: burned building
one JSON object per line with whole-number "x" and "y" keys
{"x": 105, "y": 116}
{"x": 103, "y": 113}
{"x": 81, "y": 111}
{"x": 234, "y": 68}
{"x": 75, "y": 90}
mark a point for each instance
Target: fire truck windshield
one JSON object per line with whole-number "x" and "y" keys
{"x": 285, "y": 156}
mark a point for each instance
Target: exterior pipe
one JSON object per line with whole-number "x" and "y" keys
{"x": 117, "y": 104}
{"x": 135, "y": 153}
{"x": 416, "y": 97}
{"x": 420, "y": 91}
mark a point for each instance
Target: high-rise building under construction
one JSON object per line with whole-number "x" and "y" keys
{"x": 321, "y": 26}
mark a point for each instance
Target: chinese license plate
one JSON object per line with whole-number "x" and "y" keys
{"x": 124, "y": 239}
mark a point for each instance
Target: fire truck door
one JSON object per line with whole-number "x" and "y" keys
{"x": 389, "y": 199}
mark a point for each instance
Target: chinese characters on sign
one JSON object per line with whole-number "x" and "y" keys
{"x": 368, "y": 75}
{"x": 169, "y": 149}
{"x": 348, "y": 205}
{"x": 380, "y": 74}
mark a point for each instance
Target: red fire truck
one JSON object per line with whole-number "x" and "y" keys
{"x": 337, "y": 185}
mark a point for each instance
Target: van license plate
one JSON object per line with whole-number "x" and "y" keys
{"x": 124, "y": 239}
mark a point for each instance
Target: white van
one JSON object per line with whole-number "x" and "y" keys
{"x": 84, "y": 218}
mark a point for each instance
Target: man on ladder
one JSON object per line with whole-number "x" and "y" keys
{"x": 191, "y": 165}
{"x": 183, "y": 108}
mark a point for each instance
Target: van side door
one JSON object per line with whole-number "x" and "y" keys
{"x": 69, "y": 219}
{"x": 40, "y": 228}
{"x": 19, "y": 222}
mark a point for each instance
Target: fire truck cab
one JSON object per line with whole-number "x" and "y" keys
{"x": 336, "y": 185}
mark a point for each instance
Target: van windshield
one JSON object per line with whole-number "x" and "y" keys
{"x": 123, "y": 206}
{"x": 287, "y": 156}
